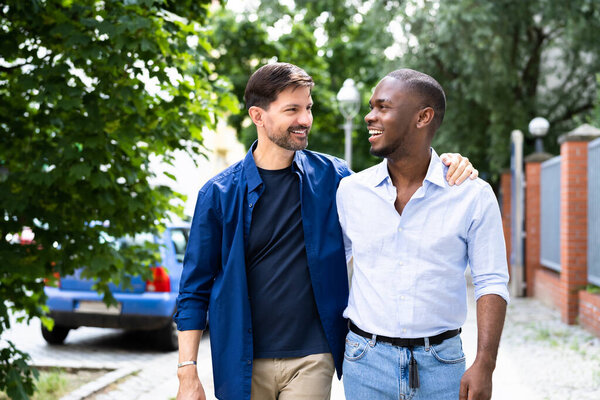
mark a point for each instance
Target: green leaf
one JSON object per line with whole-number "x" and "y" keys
{"x": 170, "y": 176}
{"x": 65, "y": 140}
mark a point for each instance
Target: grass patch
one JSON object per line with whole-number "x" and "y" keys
{"x": 593, "y": 289}
{"x": 543, "y": 334}
{"x": 53, "y": 383}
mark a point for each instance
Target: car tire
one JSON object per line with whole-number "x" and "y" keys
{"x": 166, "y": 337}
{"x": 56, "y": 335}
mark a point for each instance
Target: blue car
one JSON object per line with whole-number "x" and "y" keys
{"x": 144, "y": 306}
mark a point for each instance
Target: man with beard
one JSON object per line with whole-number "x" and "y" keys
{"x": 266, "y": 258}
{"x": 411, "y": 236}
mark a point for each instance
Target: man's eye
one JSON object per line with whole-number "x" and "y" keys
{"x": 291, "y": 109}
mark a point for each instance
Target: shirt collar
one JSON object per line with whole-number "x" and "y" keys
{"x": 252, "y": 175}
{"x": 298, "y": 161}
{"x": 381, "y": 173}
{"x": 435, "y": 171}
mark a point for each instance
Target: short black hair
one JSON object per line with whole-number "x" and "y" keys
{"x": 268, "y": 81}
{"x": 427, "y": 88}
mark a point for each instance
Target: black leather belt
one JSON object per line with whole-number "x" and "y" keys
{"x": 401, "y": 342}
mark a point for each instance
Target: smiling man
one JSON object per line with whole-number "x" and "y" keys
{"x": 265, "y": 257}
{"x": 412, "y": 235}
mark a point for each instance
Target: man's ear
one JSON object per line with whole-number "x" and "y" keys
{"x": 425, "y": 117}
{"x": 256, "y": 114}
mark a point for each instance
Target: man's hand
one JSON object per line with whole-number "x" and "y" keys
{"x": 459, "y": 168}
{"x": 190, "y": 387}
{"x": 476, "y": 383}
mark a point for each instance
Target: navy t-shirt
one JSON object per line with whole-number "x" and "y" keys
{"x": 285, "y": 320}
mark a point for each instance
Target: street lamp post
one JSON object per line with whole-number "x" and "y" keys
{"x": 349, "y": 102}
{"x": 538, "y": 127}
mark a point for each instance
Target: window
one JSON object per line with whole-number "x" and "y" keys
{"x": 179, "y": 237}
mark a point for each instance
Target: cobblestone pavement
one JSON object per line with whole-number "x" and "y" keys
{"x": 539, "y": 359}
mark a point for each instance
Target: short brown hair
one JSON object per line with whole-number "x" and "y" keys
{"x": 269, "y": 80}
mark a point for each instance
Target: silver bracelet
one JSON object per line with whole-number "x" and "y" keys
{"x": 183, "y": 364}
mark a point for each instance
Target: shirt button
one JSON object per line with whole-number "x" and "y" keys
{"x": 248, "y": 362}
{"x": 251, "y": 205}
{"x": 403, "y": 330}
{"x": 249, "y": 330}
{"x": 401, "y": 297}
{"x": 399, "y": 229}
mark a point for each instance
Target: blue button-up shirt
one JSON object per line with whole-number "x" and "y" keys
{"x": 409, "y": 269}
{"x": 214, "y": 268}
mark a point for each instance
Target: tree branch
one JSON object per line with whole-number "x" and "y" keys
{"x": 529, "y": 77}
{"x": 554, "y": 33}
{"x": 571, "y": 112}
{"x": 563, "y": 87}
{"x": 515, "y": 46}
{"x": 443, "y": 68}
{"x": 9, "y": 69}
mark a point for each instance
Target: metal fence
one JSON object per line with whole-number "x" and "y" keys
{"x": 594, "y": 212}
{"x": 550, "y": 213}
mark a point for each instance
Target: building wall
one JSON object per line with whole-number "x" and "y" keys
{"x": 589, "y": 311}
{"x": 565, "y": 290}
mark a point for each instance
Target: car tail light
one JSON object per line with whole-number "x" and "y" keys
{"x": 54, "y": 281}
{"x": 160, "y": 281}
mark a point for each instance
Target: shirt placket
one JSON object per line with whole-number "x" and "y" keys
{"x": 251, "y": 199}
{"x": 404, "y": 279}
{"x": 397, "y": 290}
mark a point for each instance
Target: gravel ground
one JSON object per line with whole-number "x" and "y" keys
{"x": 542, "y": 358}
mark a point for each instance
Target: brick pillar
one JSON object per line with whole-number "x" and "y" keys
{"x": 505, "y": 190}
{"x": 573, "y": 224}
{"x": 532, "y": 217}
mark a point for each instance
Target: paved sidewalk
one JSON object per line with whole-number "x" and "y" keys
{"x": 540, "y": 358}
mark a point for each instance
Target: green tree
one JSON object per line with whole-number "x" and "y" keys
{"x": 503, "y": 63}
{"x": 331, "y": 40}
{"x": 594, "y": 118}
{"x": 89, "y": 90}
{"x": 500, "y": 62}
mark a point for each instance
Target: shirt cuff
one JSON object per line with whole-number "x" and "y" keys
{"x": 190, "y": 317}
{"x": 498, "y": 289}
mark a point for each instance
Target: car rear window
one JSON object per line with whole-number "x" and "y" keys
{"x": 179, "y": 237}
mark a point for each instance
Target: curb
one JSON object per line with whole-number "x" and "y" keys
{"x": 92, "y": 387}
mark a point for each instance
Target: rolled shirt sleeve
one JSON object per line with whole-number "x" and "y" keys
{"x": 486, "y": 247}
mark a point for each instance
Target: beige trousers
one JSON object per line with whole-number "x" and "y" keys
{"x": 301, "y": 378}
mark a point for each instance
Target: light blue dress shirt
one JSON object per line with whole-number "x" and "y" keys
{"x": 409, "y": 269}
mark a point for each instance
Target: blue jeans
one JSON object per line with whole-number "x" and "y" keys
{"x": 374, "y": 371}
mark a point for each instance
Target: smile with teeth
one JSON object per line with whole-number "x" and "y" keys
{"x": 299, "y": 131}
{"x": 375, "y": 132}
